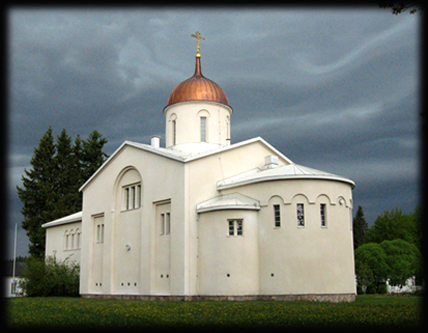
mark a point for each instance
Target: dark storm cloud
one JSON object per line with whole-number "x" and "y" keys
{"x": 332, "y": 89}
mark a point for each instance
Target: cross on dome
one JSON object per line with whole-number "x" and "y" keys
{"x": 197, "y": 35}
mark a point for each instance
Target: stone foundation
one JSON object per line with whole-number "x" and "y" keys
{"x": 336, "y": 298}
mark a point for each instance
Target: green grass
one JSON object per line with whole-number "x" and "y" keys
{"x": 367, "y": 311}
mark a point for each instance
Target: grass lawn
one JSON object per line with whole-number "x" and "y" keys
{"x": 367, "y": 311}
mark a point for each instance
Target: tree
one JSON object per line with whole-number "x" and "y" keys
{"x": 51, "y": 188}
{"x": 371, "y": 265}
{"x": 402, "y": 6}
{"x": 404, "y": 261}
{"x": 359, "y": 227}
{"x": 392, "y": 225}
{"x": 65, "y": 176}
{"x": 37, "y": 193}
{"x": 92, "y": 155}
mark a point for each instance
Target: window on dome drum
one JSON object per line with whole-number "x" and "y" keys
{"x": 236, "y": 227}
{"x": 203, "y": 129}
{"x": 132, "y": 194}
{"x": 300, "y": 215}
{"x": 277, "y": 215}
{"x": 323, "y": 215}
{"x": 174, "y": 132}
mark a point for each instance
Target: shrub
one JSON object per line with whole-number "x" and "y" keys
{"x": 50, "y": 277}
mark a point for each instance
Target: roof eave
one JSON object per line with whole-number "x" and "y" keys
{"x": 221, "y": 186}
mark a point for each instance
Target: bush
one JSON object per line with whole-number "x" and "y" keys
{"x": 50, "y": 277}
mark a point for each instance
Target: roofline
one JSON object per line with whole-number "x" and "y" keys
{"x": 132, "y": 144}
{"x": 171, "y": 155}
{"x": 63, "y": 220}
{"x": 283, "y": 177}
{"x": 227, "y": 207}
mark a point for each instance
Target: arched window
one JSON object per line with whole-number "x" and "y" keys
{"x": 203, "y": 120}
{"x": 173, "y": 120}
{"x": 66, "y": 239}
{"x": 71, "y": 239}
{"x": 129, "y": 189}
{"x": 203, "y": 129}
{"x": 78, "y": 233}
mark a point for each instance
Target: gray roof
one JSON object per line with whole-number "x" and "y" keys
{"x": 76, "y": 217}
{"x": 290, "y": 171}
{"x": 228, "y": 201}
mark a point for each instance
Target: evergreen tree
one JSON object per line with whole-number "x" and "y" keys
{"x": 37, "y": 193}
{"x": 51, "y": 188}
{"x": 92, "y": 155}
{"x": 359, "y": 226}
{"x": 65, "y": 170}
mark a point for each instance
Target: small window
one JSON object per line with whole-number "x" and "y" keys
{"x": 127, "y": 197}
{"x": 277, "y": 215}
{"x": 203, "y": 129}
{"x": 100, "y": 233}
{"x": 67, "y": 236}
{"x": 174, "y": 132}
{"x": 78, "y": 235}
{"x": 165, "y": 223}
{"x": 236, "y": 227}
{"x": 239, "y": 227}
{"x": 323, "y": 215}
{"x": 300, "y": 215}
{"x": 231, "y": 228}
{"x": 162, "y": 226}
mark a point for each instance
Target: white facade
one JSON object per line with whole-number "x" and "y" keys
{"x": 203, "y": 217}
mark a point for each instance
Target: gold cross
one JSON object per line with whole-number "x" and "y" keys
{"x": 197, "y": 35}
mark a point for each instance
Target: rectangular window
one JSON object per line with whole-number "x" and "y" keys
{"x": 323, "y": 215}
{"x": 236, "y": 227}
{"x": 203, "y": 129}
{"x": 100, "y": 233}
{"x": 133, "y": 197}
{"x": 167, "y": 223}
{"x": 127, "y": 197}
{"x": 162, "y": 226}
{"x": 277, "y": 215}
{"x": 231, "y": 228}
{"x": 139, "y": 196}
{"x": 300, "y": 215}
{"x": 239, "y": 227}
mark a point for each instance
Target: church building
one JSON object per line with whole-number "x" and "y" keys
{"x": 205, "y": 218}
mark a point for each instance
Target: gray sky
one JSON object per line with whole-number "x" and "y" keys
{"x": 333, "y": 89}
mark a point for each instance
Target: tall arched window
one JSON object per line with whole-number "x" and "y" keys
{"x": 203, "y": 129}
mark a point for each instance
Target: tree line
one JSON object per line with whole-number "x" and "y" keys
{"x": 388, "y": 250}
{"x": 50, "y": 189}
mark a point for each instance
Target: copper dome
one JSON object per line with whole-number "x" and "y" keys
{"x": 198, "y": 88}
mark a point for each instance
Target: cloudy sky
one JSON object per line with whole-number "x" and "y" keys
{"x": 333, "y": 89}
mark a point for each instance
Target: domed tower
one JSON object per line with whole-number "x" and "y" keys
{"x": 197, "y": 111}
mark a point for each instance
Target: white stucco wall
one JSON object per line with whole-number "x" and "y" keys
{"x": 161, "y": 179}
{"x": 228, "y": 265}
{"x": 56, "y": 238}
{"x": 309, "y": 259}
